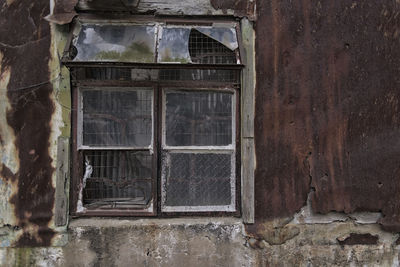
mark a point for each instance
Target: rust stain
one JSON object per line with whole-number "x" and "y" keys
{"x": 327, "y": 103}
{"x": 25, "y": 45}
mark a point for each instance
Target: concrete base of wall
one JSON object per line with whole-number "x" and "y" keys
{"x": 211, "y": 242}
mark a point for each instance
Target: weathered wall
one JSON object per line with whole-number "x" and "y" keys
{"x": 327, "y": 108}
{"x": 206, "y": 242}
{"x": 31, "y": 121}
{"x": 326, "y": 129}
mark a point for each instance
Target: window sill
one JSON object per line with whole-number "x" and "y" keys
{"x": 123, "y": 222}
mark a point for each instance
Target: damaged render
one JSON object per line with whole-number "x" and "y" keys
{"x": 326, "y": 141}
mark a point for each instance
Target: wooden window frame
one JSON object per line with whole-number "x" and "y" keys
{"x": 77, "y": 169}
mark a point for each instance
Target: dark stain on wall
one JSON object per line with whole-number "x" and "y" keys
{"x": 7, "y": 174}
{"x": 25, "y": 44}
{"x": 359, "y": 239}
{"x": 327, "y": 108}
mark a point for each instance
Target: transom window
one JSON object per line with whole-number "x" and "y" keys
{"x": 155, "y": 119}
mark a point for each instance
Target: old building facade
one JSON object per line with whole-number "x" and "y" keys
{"x": 304, "y": 143}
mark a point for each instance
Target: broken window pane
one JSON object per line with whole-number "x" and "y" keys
{"x": 122, "y": 43}
{"x": 224, "y": 35}
{"x": 117, "y": 117}
{"x": 197, "y": 179}
{"x": 198, "y": 118}
{"x": 206, "y": 50}
{"x": 118, "y": 179}
{"x": 174, "y": 45}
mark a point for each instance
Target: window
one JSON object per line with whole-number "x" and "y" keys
{"x": 155, "y": 119}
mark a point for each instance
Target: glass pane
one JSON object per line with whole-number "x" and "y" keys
{"x": 118, "y": 179}
{"x": 197, "y": 118}
{"x": 114, "y": 117}
{"x": 206, "y": 50}
{"x": 198, "y": 179}
{"x": 224, "y": 35}
{"x": 174, "y": 45}
{"x": 116, "y": 43}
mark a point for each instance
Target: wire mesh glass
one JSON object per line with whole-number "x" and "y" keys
{"x": 198, "y": 118}
{"x": 206, "y": 50}
{"x": 197, "y": 179}
{"x": 117, "y": 179}
{"x": 117, "y": 117}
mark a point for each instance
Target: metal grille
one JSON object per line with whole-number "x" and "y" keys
{"x": 214, "y": 75}
{"x": 203, "y": 49}
{"x": 128, "y": 74}
{"x": 198, "y": 179}
{"x": 117, "y": 179}
{"x": 114, "y": 74}
{"x": 197, "y": 118}
{"x": 117, "y": 117}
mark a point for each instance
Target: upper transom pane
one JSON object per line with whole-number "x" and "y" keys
{"x": 121, "y": 43}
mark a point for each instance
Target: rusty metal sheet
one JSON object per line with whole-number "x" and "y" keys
{"x": 327, "y": 108}
{"x": 25, "y": 48}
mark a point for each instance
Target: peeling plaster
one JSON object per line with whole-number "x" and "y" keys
{"x": 307, "y": 216}
{"x": 8, "y": 153}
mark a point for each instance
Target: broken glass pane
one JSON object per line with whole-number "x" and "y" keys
{"x": 198, "y": 179}
{"x": 224, "y": 35}
{"x": 206, "y": 50}
{"x": 123, "y": 43}
{"x": 174, "y": 45}
{"x": 198, "y": 118}
{"x": 118, "y": 179}
{"x": 117, "y": 117}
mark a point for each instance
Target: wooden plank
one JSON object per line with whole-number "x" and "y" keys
{"x": 248, "y": 166}
{"x": 247, "y": 131}
{"x": 62, "y": 172}
{"x": 248, "y": 78}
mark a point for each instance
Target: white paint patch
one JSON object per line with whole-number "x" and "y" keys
{"x": 307, "y": 216}
{"x": 88, "y": 174}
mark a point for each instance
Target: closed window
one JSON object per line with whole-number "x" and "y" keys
{"x": 155, "y": 138}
